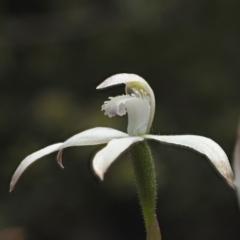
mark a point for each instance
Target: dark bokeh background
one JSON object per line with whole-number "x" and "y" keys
{"x": 52, "y": 56}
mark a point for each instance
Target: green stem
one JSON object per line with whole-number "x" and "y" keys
{"x": 146, "y": 184}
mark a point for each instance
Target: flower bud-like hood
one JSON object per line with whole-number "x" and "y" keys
{"x": 139, "y": 102}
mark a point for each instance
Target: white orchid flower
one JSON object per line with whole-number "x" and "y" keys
{"x": 139, "y": 104}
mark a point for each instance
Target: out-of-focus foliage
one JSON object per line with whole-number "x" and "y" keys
{"x": 52, "y": 56}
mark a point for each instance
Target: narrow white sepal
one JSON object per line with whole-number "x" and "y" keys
{"x": 105, "y": 157}
{"x": 120, "y": 79}
{"x": 236, "y": 164}
{"x": 205, "y": 146}
{"x": 94, "y": 136}
{"x": 31, "y": 159}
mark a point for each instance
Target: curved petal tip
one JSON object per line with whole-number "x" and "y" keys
{"x": 119, "y": 79}
{"x": 105, "y": 157}
{"x": 59, "y": 158}
{"x": 30, "y": 160}
{"x": 205, "y": 146}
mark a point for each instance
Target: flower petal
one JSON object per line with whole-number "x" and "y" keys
{"x": 31, "y": 159}
{"x": 236, "y": 164}
{"x": 105, "y": 157}
{"x": 115, "y": 106}
{"x": 121, "y": 78}
{"x": 204, "y": 146}
{"x": 94, "y": 136}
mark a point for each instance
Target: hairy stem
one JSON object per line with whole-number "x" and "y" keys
{"x": 146, "y": 184}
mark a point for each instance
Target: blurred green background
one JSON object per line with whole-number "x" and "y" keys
{"x": 53, "y": 54}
